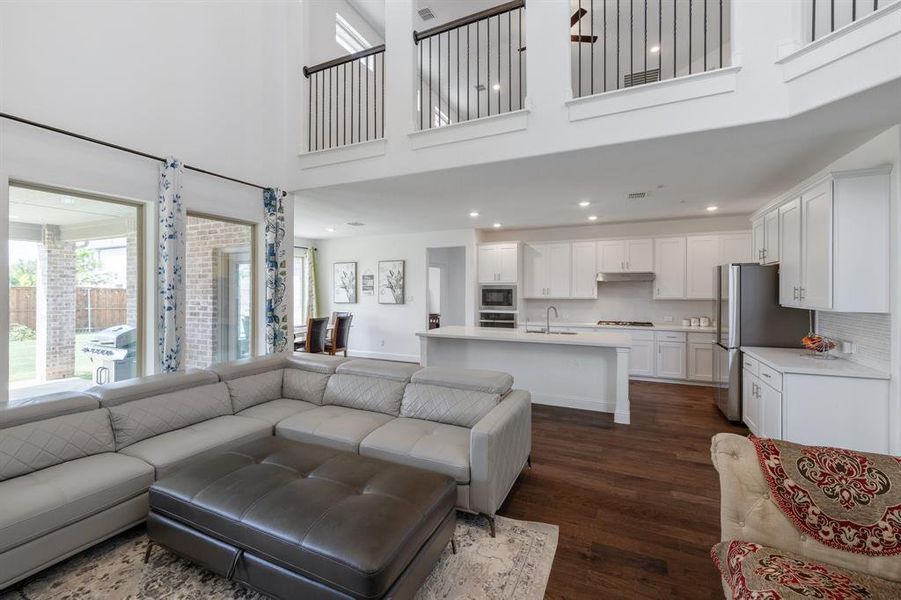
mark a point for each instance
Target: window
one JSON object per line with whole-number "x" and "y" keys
{"x": 301, "y": 277}
{"x": 219, "y": 292}
{"x": 74, "y": 290}
{"x": 441, "y": 119}
{"x": 350, "y": 39}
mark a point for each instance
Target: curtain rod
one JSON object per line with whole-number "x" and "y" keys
{"x": 125, "y": 149}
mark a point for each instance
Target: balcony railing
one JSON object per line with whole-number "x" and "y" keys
{"x": 828, "y": 15}
{"x": 346, "y": 100}
{"x": 624, "y": 43}
{"x": 472, "y": 67}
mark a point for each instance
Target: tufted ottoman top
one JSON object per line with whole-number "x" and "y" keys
{"x": 351, "y": 522}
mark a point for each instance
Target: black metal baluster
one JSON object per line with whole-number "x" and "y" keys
{"x": 660, "y": 39}
{"x": 309, "y": 116}
{"x": 509, "y": 61}
{"x": 488, "y": 63}
{"x": 579, "y": 12}
{"x": 458, "y": 75}
{"x": 591, "y": 6}
{"x": 675, "y": 54}
{"x": 374, "y": 58}
{"x": 617, "y": 43}
{"x": 721, "y": 34}
{"x": 813, "y": 21}
{"x": 429, "y": 116}
{"x": 344, "y": 103}
{"x": 632, "y": 41}
{"x": 421, "y": 69}
{"x": 644, "y": 49}
{"x": 383, "y": 94}
{"x": 831, "y": 15}
{"x": 853, "y": 10}
{"x": 690, "y": 2}
{"x": 330, "y": 108}
{"x": 519, "y": 52}
{"x": 605, "y": 45}
{"x": 705, "y": 36}
{"x": 478, "y": 71}
{"x": 448, "y": 77}
{"x": 468, "y": 91}
{"x": 438, "y": 114}
{"x": 375, "y": 94}
{"x": 499, "y": 52}
{"x": 360, "y": 65}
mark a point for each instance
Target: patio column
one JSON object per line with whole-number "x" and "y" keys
{"x": 55, "y": 309}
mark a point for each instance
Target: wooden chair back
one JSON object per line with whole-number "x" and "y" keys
{"x": 317, "y": 333}
{"x": 340, "y": 333}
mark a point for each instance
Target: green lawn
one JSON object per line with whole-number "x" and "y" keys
{"x": 22, "y": 359}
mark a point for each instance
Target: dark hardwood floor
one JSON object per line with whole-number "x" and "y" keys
{"x": 637, "y": 505}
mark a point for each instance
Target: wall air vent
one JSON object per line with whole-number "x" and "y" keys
{"x": 356, "y": 224}
{"x": 641, "y": 77}
{"x": 638, "y": 195}
{"x": 426, "y": 14}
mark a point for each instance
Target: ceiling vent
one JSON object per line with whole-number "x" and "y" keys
{"x": 426, "y": 14}
{"x": 356, "y": 224}
{"x": 638, "y": 195}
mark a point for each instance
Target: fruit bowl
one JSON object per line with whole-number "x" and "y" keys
{"x": 817, "y": 345}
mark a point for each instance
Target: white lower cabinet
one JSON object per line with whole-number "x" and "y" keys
{"x": 771, "y": 411}
{"x": 750, "y": 401}
{"x": 642, "y": 358}
{"x": 700, "y": 361}
{"x": 671, "y": 360}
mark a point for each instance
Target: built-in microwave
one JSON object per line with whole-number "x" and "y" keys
{"x": 498, "y": 297}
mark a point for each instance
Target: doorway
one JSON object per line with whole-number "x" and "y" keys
{"x": 446, "y": 286}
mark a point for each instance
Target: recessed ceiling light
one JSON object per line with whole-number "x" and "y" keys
{"x": 584, "y": 203}
{"x": 13, "y": 216}
{"x": 497, "y": 225}
{"x": 496, "y": 87}
{"x": 474, "y": 214}
{"x": 355, "y": 224}
{"x": 67, "y": 200}
{"x": 330, "y": 229}
{"x": 712, "y": 208}
{"x": 655, "y": 49}
{"x": 593, "y": 218}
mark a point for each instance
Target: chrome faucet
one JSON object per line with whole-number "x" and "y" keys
{"x": 547, "y": 328}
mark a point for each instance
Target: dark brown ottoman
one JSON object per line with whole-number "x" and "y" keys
{"x": 296, "y": 520}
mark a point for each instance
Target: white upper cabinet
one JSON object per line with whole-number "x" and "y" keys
{"x": 499, "y": 263}
{"x": 669, "y": 268}
{"x": 625, "y": 256}
{"x": 771, "y": 237}
{"x": 548, "y": 270}
{"x": 735, "y": 248}
{"x": 758, "y": 236}
{"x": 834, "y": 244}
{"x": 702, "y": 254}
{"x": 584, "y": 270}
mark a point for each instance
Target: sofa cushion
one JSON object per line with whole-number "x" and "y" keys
{"x": 752, "y": 570}
{"x": 276, "y": 410}
{"x": 41, "y": 444}
{"x": 446, "y": 405}
{"x": 141, "y": 419}
{"x": 384, "y": 369}
{"x": 128, "y": 390}
{"x": 170, "y": 451}
{"x": 365, "y": 393}
{"x": 304, "y": 385}
{"x": 317, "y": 363}
{"x": 255, "y": 389}
{"x": 333, "y": 426}
{"x": 46, "y": 500}
{"x": 477, "y": 380}
{"x": 245, "y": 367}
{"x": 26, "y": 410}
{"x": 424, "y": 444}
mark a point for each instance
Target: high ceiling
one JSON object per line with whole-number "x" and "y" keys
{"x": 737, "y": 169}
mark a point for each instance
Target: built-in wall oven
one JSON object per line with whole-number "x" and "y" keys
{"x": 498, "y": 297}
{"x": 502, "y": 320}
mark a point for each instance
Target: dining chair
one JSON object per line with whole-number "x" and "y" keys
{"x": 317, "y": 335}
{"x": 340, "y": 333}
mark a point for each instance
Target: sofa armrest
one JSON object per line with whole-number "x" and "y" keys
{"x": 747, "y": 512}
{"x": 499, "y": 445}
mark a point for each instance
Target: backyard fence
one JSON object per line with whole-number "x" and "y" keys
{"x": 95, "y": 308}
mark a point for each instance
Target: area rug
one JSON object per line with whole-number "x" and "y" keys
{"x": 515, "y": 564}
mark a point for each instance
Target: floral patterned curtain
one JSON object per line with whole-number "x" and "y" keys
{"x": 170, "y": 269}
{"x": 312, "y": 294}
{"x": 277, "y": 325}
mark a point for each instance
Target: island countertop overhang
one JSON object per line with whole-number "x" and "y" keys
{"x": 605, "y": 339}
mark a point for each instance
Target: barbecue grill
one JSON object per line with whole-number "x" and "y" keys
{"x": 113, "y": 353}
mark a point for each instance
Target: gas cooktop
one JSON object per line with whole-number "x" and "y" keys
{"x": 626, "y": 323}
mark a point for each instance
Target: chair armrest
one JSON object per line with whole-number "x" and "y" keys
{"x": 748, "y": 513}
{"x": 499, "y": 445}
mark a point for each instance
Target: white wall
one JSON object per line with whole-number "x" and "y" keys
{"x": 384, "y": 330}
{"x": 452, "y": 263}
{"x": 199, "y": 81}
{"x": 319, "y": 29}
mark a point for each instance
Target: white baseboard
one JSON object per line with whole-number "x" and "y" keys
{"x": 580, "y": 402}
{"x": 673, "y": 381}
{"x": 410, "y": 358}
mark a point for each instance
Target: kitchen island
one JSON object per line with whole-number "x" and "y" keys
{"x": 589, "y": 371}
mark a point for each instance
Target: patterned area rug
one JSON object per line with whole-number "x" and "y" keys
{"x": 515, "y": 564}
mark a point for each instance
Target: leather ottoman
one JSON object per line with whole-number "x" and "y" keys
{"x": 295, "y": 520}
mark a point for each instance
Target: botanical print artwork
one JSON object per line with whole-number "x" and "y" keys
{"x": 276, "y": 271}
{"x": 345, "y": 283}
{"x": 170, "y": 272}
{"x": 391, "y": 282}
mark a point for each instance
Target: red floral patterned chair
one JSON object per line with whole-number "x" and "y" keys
{"x": 807, "y": 522}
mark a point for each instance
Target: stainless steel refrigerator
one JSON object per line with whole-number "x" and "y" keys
{"x": 748, "y": 314}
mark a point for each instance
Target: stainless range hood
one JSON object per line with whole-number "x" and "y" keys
{"x": 616, "y": 277}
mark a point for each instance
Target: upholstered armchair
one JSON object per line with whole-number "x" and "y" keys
{"x": 807, "y": 522}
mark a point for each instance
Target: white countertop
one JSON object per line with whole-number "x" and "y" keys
{"x": 796, "y": 360}
{"x": 656, "y": 327}
{"x": 601, "y": 340}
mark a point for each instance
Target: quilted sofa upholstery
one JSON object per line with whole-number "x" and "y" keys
{"x": 75, "y": 468}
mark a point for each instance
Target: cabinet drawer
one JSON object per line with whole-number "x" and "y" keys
{"x": 700, "y": 338}
{"x": 750, "y": 364}
{"x": 645, "y": 336}
{"x": 669, "y": 336}
{"x": 771, "y": 377}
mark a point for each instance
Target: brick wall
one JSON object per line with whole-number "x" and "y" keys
{"x": 206, "y": 239}
{"x": 55, "y": 306}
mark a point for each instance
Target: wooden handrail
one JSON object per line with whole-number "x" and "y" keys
{"x": 307, "y": 71}
{"x": 469, "y": 19}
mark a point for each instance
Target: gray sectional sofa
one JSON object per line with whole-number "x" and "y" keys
{"x": 75, "y": 468}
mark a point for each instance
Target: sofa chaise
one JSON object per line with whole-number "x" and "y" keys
{"x": 75, "y": 469}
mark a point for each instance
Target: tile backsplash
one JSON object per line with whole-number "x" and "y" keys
{"x": 625, "y": 301}
{"x": 871, "y": 332}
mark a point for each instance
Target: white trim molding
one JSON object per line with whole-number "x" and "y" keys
{"x": 668, "y": 91}
{"x": 342, "y": 154}
{"x": 482, "y": 127}
{"x": 866, "y": 31}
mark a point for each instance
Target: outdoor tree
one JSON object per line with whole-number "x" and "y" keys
{"x": 88, "y": 269}
{"x": 23, "y": 273}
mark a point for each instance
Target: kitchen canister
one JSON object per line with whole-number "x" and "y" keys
{"x": 686, "y": 322}
{"x": 705, "y": 321}
{"x": 695, "y": 322}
